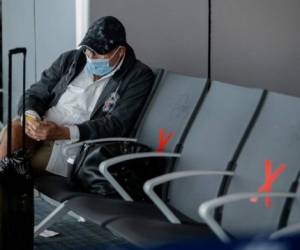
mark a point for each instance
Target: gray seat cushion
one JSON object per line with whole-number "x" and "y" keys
{"x": 103, "y": 210}
{"x": 294, "y": 217}
{"x": 151, "y": 232}
{"x": 57, "y": 188}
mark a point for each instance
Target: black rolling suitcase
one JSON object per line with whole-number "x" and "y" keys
{"x": 16, "y": 186}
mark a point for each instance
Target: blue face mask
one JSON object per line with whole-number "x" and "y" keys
{"x": 99, "y": 67}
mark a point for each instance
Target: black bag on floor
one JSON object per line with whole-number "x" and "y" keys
{"x": 16, "y": 186}
{"x": 86, "y": 176}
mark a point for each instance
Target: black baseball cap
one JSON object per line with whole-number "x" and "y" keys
{"x": 104, "y": 35}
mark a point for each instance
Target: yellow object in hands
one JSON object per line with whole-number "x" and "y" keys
{"x": 31, "y": 117}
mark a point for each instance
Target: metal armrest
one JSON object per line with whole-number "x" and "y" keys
{"x": 206, "y": 207}
{"x": 286, "y": 231}
{"x": 151, "y": 184}
{"x": 105, "y": 165}
{"x": 69, "y": 149}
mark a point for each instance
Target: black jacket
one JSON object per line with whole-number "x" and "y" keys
{"x": 134, "y": 80}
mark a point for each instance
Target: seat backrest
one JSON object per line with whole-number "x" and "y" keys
{"x": 158, "y": 73}
{"x": 211, "y": 143}
{"x": 276, "y": 137}
{"x": 171, "y": 107}
{"x": 294, "y": 216}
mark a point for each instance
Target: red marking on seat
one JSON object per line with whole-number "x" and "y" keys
{"x": 162, "y": 140}
{"x": 270, "y": 179}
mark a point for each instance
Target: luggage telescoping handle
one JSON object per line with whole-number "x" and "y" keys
{"x": 9, "y": 120}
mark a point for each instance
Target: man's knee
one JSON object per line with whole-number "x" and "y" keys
{"x": 40, "y": 158}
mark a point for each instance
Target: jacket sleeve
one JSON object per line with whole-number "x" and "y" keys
{"x": 121, "y": 120}
{"x": 38, "y": 96}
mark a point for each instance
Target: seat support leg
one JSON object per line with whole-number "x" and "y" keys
{"x": 54, "y": 216}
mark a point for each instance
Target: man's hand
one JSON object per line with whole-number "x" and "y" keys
{"x": 45, "y": 130}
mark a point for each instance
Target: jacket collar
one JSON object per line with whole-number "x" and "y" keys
{"x": 127, "y": 65}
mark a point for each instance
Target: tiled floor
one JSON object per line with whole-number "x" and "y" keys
{"x": 73, "y": 234}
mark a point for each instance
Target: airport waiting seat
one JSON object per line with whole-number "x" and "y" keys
{"x": 211, "y": 144}
{"x": 293, "y": 216}
{"x": 172, "y": 106}
{"x": 291, "y": 219}
{"x": 274, "y": 136}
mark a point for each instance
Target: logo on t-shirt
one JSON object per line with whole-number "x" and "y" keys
{"x": 110, "y": 102}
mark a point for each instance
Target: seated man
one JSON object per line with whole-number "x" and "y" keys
{"x": 94, "y": 92}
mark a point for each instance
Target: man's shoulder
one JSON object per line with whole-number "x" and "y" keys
{"x": 68, "y": 56}
{"x": 141, "y": 68}
{"x": 139, "y": 76}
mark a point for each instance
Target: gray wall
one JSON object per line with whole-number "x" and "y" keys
{"x": 164, "y": 33}
{"x": 255, "y": 42}
{"x": 18, "y": 31}
{"x": 45, "y": 27}
{"x": 55, "y": 30}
